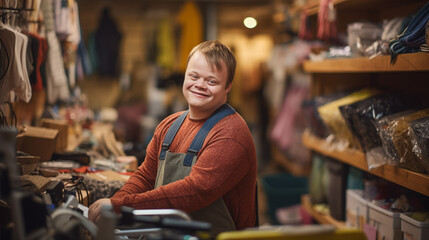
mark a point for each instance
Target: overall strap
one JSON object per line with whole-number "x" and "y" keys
{"x": 171, "y": 133}
{"x": 198, "y": 141}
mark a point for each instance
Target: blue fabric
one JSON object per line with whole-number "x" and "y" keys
{"x": 413, "y": 36}
{"x": 198, "y": 141}
{"x": 168, "y": 139}
{"x": 83, "y": 55}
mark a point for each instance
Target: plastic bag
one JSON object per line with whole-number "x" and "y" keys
{"x": 312, "y": 119}
{"x": 332, "y": 118}
{"x": 394, "y": 134}
{"x": 419, "y": 137}
{"x": 385, "y": 133}
{"x": 361, "y": 35}
{"x": 359, "y": 116}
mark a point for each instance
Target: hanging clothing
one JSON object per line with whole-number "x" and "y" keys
{"x": 191, "y": 31}
{"x": 165, "y": 44}
{"x": 284, "y": 127}
{"x": 39, "y": 51}
{"x": 107, "y": 43}
{"x": 326, "y": 21}
{"x": 62, "y": 18}
{"x": 15, "y": 75}
{"x": 56, "y": 79}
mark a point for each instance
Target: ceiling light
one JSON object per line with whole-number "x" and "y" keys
{"x": 250, "y": 22}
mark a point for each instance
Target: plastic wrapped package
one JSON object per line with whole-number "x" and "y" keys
{"x": 312, "y": 119}
{"x": 384, "y": 132}
{"x": 361, "y": 35}
{"x": 331, "y": 116}
{"x": 394, "y": 134}
{"x": 359, "y": 116}
{"x": 419, "y": 136}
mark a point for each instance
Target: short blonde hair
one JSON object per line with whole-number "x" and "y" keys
{"x": 216, "y": 52}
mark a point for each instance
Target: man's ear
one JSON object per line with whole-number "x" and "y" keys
{"x": 228, "y": 87}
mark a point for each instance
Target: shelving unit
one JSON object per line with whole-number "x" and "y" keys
{"x": 319, "y": 217}
{"x": 403, "y": 177}
{"x": 409, "y": 73}
{"x": 405, "y": 63}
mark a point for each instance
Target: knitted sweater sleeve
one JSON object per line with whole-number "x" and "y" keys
{"x": 221, "y": 165}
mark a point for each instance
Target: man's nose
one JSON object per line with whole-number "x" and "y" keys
{"x": 200, "y": 83}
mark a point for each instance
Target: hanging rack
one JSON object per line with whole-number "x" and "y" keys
{"x": 16, "y": 9}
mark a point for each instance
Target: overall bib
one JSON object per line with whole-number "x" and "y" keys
{"x": 176, "y": 166}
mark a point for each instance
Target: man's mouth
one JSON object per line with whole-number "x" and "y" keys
{"x": 199, "y": 94}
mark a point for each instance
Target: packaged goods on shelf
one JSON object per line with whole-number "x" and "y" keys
{"x": 361, "y": 115}
{"x": 312, "y": 119}
{"x": 419, "y": 135}
{"x": 394, "y": 134}
{"x": 331, "y": 116}
{"x": 362, "y": 35}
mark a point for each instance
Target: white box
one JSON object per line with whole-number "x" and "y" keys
{"x": 356, "y": 209}
{"x": 413, "y": 229}
{"x": 387, "y": 223}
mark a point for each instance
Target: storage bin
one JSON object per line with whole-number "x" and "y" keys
{"x": 283, "y": 190}
{"x": 356, "y": 209}
{"x": 387, "y": 223}
{"x": 413, "y": 229}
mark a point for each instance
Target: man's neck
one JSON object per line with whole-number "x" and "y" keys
{"x": 197, "y": 114}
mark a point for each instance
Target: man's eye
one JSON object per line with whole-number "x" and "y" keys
{"x": 212, "y": 82}
{"x": 194, "y": 77}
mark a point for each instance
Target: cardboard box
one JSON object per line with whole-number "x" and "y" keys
{"x": 37, "y": 141}
{"x": 27, "y": 164}
{"x": 130, "y": 162}
{"x": 63, "y": 132}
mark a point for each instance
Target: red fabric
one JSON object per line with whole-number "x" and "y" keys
{"x": 226, "y": 166}
{"x": 327, "y": 28}
{"x": 41, "y": 56}
{"x": 304, "y": 28}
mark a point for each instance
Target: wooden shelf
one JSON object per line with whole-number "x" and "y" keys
{"x": 319, "y": 217}
{"x": 404, "y": 62}
{"x": 312, "y": 6}
{"x": 403, "y": 177}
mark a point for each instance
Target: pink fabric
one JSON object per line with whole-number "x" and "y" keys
{"x": 283, "y": 129}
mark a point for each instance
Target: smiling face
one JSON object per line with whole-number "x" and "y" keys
{"x": 205, "y": 86}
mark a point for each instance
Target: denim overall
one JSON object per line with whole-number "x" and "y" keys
{"x": 176, "y": 166}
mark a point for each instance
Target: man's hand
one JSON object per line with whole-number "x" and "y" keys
{"x": 95, "y": 209}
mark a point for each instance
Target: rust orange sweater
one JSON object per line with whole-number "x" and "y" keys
{"x": 226, "y": 166}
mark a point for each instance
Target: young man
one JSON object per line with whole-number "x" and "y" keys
{"x": 215, "y": 184}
